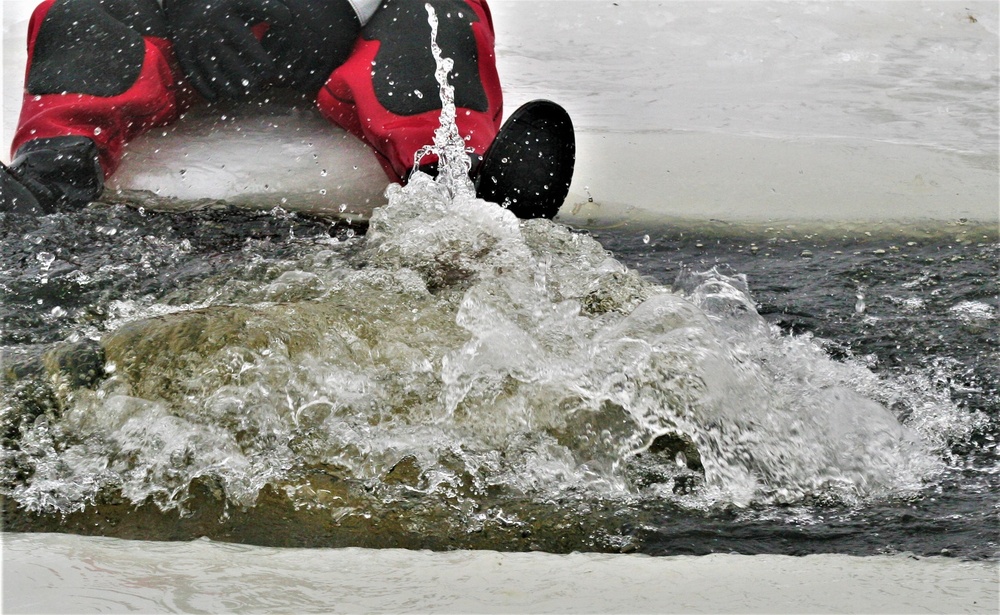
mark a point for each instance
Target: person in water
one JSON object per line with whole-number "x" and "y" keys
{"x": 101, "y": 72}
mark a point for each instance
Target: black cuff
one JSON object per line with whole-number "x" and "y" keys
{"x": 60, "y": 171}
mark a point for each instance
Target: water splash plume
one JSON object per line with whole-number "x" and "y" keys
{"x": 453, "y": 161}
{"x": 452, "y": 369}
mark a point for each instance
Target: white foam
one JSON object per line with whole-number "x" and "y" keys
{"x": 971, "y": 311}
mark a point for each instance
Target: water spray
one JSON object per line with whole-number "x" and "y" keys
{"x": 453, "y": 162}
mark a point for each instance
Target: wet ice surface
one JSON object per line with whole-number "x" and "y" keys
{"x": 102, "y": 575}
{"x": 924, "y": 73}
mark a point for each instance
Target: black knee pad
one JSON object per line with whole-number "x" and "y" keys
{"x": 92, "y": 47}
{"x": 404, "y": 63}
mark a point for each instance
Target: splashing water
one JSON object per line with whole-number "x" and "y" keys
{"x": 467, "y": 361}
{"x": 460, "y": 353}
{"x": 453, "y": 163}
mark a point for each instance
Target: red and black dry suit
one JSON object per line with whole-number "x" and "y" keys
{"x": 105, "y": 71}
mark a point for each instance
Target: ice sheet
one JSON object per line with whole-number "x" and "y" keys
{"x": 49, "y": 573}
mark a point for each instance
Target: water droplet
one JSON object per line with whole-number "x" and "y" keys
{"x": 322, "y": 191}
{"x": 859, "y": 305}
{"x": 46, "y": 259}
{"x": 645, "y": 239}
{"x": 323, "y": 173}
{"x": 343, "y": 207}
{"x": 97, "y": 130}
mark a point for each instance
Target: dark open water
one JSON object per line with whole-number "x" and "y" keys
{"x": 917, "y": 285}
{"x": 917, "y": 306}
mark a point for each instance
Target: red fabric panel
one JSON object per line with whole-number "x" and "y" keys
{"x": 348, "y": 99}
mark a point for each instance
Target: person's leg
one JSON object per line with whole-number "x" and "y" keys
{"x": 386, "y": 92}
{"x": 99, "y": 73}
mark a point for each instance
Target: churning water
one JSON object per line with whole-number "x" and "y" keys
{"x": 454, "y": 377}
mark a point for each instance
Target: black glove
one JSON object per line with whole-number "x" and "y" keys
{"x": 57, "y": 171}
{"x": 319, "y": 38}
{"x": 216, "y": 47}
{"x": 15, "y": 197}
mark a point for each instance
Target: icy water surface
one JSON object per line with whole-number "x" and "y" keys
{"x": 456, "y": 378}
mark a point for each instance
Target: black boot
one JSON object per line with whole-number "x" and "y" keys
{"x": 59, "y": 172}
{"x": 529, "y": 166}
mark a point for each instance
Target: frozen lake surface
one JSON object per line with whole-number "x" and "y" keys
{"x": 46, "y": 573}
